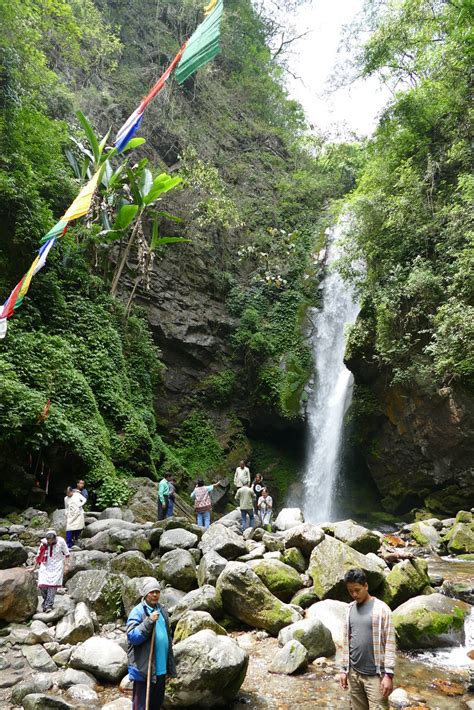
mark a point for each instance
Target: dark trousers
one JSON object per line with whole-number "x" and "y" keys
{"x": 48, "y": 594}
{"x": 157, "y": 694}
{"x": 162, "y": 509}
{"x": 72, "y": 536}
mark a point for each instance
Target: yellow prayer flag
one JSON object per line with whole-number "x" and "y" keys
{"x": 82, "y": 203}
{"x": 27, "y": 280}
{"x": 210, "y": 7}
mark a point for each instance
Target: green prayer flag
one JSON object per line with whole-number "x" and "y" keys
{"x": 202, "y": 46}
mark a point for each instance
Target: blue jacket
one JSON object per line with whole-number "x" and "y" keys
{"x": 139, "y": 631}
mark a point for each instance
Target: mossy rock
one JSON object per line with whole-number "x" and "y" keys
{"x": 295, "y": 558}
{"x": 193, "y": 621}
{"x": 468, "y": 557}
{"x": 425, "y": 534}
{"x": 460, "y": 539}
{"x": 430, "y": 622}
{"x": 405, "y": 580}
{"x": 464, "y": 516}
{"x": 132, "y": 564}
{"x": 282, "y": 580}
{"x": 305, "y": 598}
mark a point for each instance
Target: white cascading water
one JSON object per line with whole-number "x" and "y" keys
{"x": 331, "y": 392}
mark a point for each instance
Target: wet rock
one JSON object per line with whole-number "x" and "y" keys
{"x": 305, "y": 537}
{"x": 193, "y": 621}
{"x": 132, "y": 564}
{"x": 101, "y": 590}
{"x": 430, "y": 622}
{"x": 356, "y": 536}
{"x": 293, "y": 657}
{"x": 41, "y": 701}
{"x": 177, "y": 567}
{"x": 18, "y": 594}
{"x": 75, "y": 627}
{"x": 39, "y": 659}
{"x": 305, "y": 598}
{"x": 289, "y": 518}
{"x": 282, "y": 580}
{"x": 177, "y": 539}
{"x": 210, "y": 670}
{"x": 332, "y": 614}
{"x": 102, "y": 657}
{"x": 37, "y": 683}
{"x": 203, "y": 599}
{"x": 38, "y": 632}
{"x": 312, "y": 634}
{"x": 82, "y": 693}
{"x": 72, "y": 677}
{"x": 295, "y": 558}
{"x": 221, "y": 539}
{"x": 245, "y": 597}
{"x": 459, "y": 590}
{"x": 460, "y": 539}
{"x": 210, "y": 567}
{"x": 12, "y": 554}
{"x": 330, "y": 560}
{"x": 405, "y": 580}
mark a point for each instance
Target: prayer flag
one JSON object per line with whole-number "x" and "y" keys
{"x": 3, "y": 327}
{"x": 203, "y": 45}
{"x": 209, "y": 8}
{"x": 56, "y": 231}
{"x": 82, "y": 203}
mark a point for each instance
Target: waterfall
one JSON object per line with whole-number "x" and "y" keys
{"x": 331, "y": 391}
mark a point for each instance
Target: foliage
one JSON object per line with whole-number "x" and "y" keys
{"x": 219, "y": 388}
{"x": 412, "y": 209}
{"x": 197, "y": 446}
{"x": 114, "y": 492}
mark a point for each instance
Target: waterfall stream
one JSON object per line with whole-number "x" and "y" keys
{"x": 331, "y": 391}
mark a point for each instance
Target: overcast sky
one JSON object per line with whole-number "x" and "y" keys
{"x": 314, "y": 58}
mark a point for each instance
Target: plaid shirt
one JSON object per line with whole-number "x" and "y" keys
{"x": 383, "y": 635}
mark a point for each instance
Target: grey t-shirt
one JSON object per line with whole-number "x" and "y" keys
{"x": 361, "y": 643}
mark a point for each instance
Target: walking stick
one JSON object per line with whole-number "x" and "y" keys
{"x": 148, "y": 678}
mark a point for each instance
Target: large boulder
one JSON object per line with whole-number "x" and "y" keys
{"x": 305, "y": 597}
{"x": 245, "y": 597}
{"x": 132, "y": 564}
{"x": 76, "y": 627}
{"x": 312, "y": 634}
{"x": 37, "y": 632}
{"x": 356, "y": 536}
{"x": 426, "y": 535}
{"x": 12, "y": 554}
{"x": 289, "y": 518}
{"x": 330, "y": 560}
{"x": 107, "y": 525}
{"x": 18, "y": 594}
{"x": 193, "y": 621}
{"x": 210, "y": 670}
{"x": 430, "y": 621}
{"x": 102, "y": 657}
{"x": 63, "y": 604}
{"x": 282, "y": 580}
{"x": 84, "y": 560}
{"x": 72, "y": 677}
{"x": 130, "y": 540}
{"x": 143, "y": 502}
{"x": 305, "y": 537}
{"x": 101, "y": 590}
{"x": 226, "y": 542}
{"x": 203, "y": 599}
{"x": 36, "y": 683}
{"x": 295, "y": 558}
{"x": 39, "y": 659}
{"x": 42, "y": 701}
{"x": 170, "y": 596}
{"x": 293, "y": 657}
{"x": 177, "y": 567}
{"x": 177, "y": 539}
{"x": 405, "y": 580}
{"x": 460, "y": 539}
{"x": 332, "y": 614}
{"x": 210, "y": 567}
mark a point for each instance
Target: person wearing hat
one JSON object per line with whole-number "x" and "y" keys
{"x": 52, "y": 561}
{"x": 150, "y": 651}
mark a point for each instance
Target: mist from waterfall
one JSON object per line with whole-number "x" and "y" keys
{"x": 331, "y": 391}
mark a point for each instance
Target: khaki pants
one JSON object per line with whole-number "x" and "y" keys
{"x": 365, "y": 692}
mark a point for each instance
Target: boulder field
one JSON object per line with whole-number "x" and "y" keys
{"x": 287, "y": 583}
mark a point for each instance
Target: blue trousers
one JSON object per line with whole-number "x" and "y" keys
{"x": 157, "y": 694}
{"x": 204, "y": 519}
{"x": 243, "y": 518}
{"x": 72, "y": 536}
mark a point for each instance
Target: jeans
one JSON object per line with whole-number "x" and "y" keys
{"x": 157, "y": 694}
{"x": 72, "y": 536}
{"x": 243, "y": 518}
{"x": 162, "y": 509}
{"x": 204, "y": 519}
{"x": 170, "y": 509}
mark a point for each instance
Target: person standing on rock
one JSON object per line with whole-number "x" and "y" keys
{"x": 202, "y": 502}
{"x": 150, "y": 651}
{"x": 52, "y": 562}
{"x": 245, "y": 498}
{"x": 265, "y": 507}
{"x": 163, "y": 496}
{"x": 74, "y": 503}
{"x": 369, "y": 646}
{"x": 242, "y": 475}
{"x": 171, "y": 498}
{"x": 257, "y": 487}
{"x": 80, "y": 487}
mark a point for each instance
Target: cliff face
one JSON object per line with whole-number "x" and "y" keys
{"x": 418, "y": 447}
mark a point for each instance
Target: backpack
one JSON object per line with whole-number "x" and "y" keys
{"x": 202, "y": 500}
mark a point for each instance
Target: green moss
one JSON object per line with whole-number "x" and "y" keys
{"x": 283, "y": 583}
{"x": 418, "y": 630}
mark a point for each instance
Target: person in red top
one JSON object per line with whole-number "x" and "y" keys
{"x": 202, "y": 502}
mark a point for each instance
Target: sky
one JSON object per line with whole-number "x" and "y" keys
{"x": 354, "y": 108}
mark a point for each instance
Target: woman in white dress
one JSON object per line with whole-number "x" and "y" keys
{"x": 74, "y": 503}
{"x": 52, "y": 560}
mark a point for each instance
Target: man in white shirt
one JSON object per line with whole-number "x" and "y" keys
{"x": 242, "y": 475}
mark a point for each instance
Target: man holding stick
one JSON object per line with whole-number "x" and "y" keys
{"x": 150, "y": 652}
